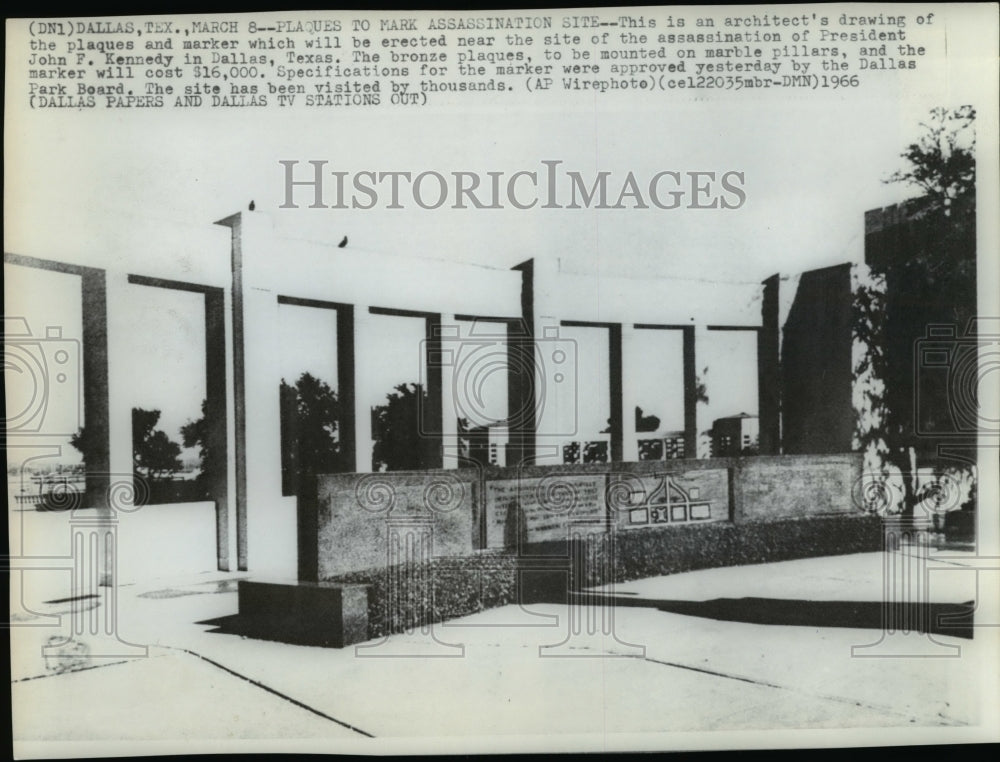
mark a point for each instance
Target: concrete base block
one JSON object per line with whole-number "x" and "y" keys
{"x": 307, "y": 613}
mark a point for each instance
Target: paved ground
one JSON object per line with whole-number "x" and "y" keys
{"x": 756, "y": 648}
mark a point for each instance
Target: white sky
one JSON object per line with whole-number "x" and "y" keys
{"x": 813, "y": 164}
{"x": 308, "y": 343}
{"x": 165, "y": 356}
{"x": 44, "y": 299}
{"x": 809, "y": 179}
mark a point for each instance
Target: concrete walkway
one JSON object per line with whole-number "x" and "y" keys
{"x": 653, "y": 666}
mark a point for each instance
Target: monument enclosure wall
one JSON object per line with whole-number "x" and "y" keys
{"x": 377, "y": 520}
{"x": 434, "y": 545}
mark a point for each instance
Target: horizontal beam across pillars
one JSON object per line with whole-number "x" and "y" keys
{"x": 119, "y": 243}
{"x": 561, "y": 294}
{"x": 410, "y": 280}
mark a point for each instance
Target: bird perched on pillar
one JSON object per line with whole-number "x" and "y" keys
{"x": 252, "y": 205}
{"x": 343, "y": 243}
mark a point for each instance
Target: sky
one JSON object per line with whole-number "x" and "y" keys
{"x": 809, "y": 177}
{"x": 813, "y": 164}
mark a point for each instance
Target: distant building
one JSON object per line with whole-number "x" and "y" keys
{"x": 662, "y": 445}
{"x": 593, "y": 451}
{"x": 486, "y": 445}
{"x": 735, "y": 435}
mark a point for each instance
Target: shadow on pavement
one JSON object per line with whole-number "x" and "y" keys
{"x": 954, "y": 619}
{"x": 258, "y": 629}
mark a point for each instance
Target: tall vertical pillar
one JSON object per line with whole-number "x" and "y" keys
{"x": 690, "y": 393}
{"x": 216, "y": 419}
{"x": 615, "y": 390}
{"x": 235, "y": 224}
{"x": 346, "y": 385}
{"x": 96, "y": 401}
{"x": 431, "y": 423}
{"x": 451, "y": 337}
{"x": 362, "y": 409}
{"x": 769, "y": 370}
{"x": 630, "y": 443}
{"x": 521, "y": 402}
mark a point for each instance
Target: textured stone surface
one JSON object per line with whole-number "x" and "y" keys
{"x": 669, "y": 497}
{"x": 669, "y": 550}
{"x": 540, "y": 508}
{"x": 371, "y": 521}
{"x": 322, "y": 614}
{"x": 444, "y": 588}
{"x": 404, "y": 597}
{"x": 767, "y": 488}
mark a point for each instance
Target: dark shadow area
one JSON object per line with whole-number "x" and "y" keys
{"x": 954, "y": 619}
{"x": 278, "y": 631}
{"x": 817, "y": 412}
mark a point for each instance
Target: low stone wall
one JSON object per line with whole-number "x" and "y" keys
{"x": 371, "y": 521}
{"x": 669, "y": 551}
{"x": 402, "y": 597}
{"x": 405, "y": 596}
{"x": 438, "y": 545}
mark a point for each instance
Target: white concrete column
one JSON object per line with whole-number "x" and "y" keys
{"x": 230, "y": 540}
{"x": 271, "y": 518}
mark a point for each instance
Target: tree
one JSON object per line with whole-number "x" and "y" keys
{"x": 198, "y": 434}
{"x": 154, "y": 455}
{"x": 85, "y": 443}
{"x": 700, "y": 387}
{"x": 310, "y": 415}
{"x": 942, "y": 162}
{"x": 921, "y": 271}
{"x": 399, "y": 444}
{"x": 645, "y": 423}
